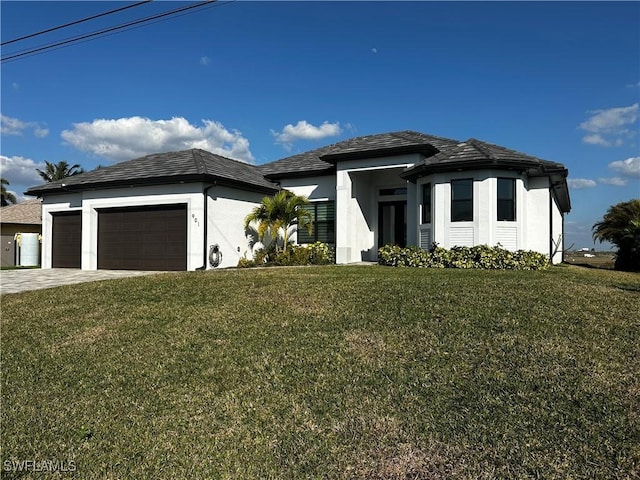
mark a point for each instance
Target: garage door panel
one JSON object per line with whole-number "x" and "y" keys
{"x": 143, "y": 238}
{"x": 66, "y": 245}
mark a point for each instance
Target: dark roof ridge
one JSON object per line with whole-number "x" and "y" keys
{"x": 481, "y": 147}
{"x": 207, "y": 152}
{"x": 201, "y": 166}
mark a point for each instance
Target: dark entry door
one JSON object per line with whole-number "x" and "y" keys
{"x": 66, "y": 245}
{"x": 392, "y": 223}
{"x": 143, "y": 238}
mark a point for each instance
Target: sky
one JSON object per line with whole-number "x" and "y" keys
{"x": 259, "y": 81}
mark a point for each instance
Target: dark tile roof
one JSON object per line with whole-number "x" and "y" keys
{"x": 321, "y": 161}
{"x": 473, "y": 154}
{"x": 193, "y": 165}
{"x": 476, "y": 153}
{"x": 307, "y": 164}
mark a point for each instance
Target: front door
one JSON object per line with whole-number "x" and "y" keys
{"x": 392, "y": 223}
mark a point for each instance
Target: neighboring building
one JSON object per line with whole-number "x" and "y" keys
{"x": 406, "y": 188}
{"x": 24, "y": 217}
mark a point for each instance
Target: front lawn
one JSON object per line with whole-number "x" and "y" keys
{"x": 326, "y": 372}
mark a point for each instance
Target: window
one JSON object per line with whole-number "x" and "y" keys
{"x": 324, "y": 223}
{"x": 506, "y": 199}
{"x": 462, "y": 200}
{"x": 426, "y": 203}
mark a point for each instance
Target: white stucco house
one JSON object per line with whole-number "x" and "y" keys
{"x": 177, "y": 210}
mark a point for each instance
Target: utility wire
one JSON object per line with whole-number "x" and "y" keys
{"x": 105, "y": 31}
{"x": 75, "y": 22}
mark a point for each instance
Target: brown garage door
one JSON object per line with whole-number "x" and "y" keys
{"x": 66, "y": 245}
{"x": 143, "y": 238}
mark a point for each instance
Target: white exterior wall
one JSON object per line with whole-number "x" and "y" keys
{"x": 314, "y": 188}
{"x": 227, "y": 208}
{"x": 557, "y": 231}
{"x": 537, "y": 235}
{"x": 530, "y": 230}
{"x": 353, "y": 233}
{"x": 357, "y": 186}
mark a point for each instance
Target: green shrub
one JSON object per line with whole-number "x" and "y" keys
{"x": 479, "y": 256}
{"x": 246, "y": 263}
{"x": 317, "y": 253}
{"x": 320, "y": 254}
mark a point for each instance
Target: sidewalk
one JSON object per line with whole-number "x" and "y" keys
{"x": 15, "y": 281}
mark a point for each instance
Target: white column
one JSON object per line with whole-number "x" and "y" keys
{"x": 343, "y": 223}
{"x": 413, "y": 212}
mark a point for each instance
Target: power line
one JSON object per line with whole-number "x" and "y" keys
{"x": 74, "y": 22}
{"x": 103, "y": 32}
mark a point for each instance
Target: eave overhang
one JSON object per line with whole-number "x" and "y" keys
{"x": 61, "y": 188}
{"x": 330, "y": 170}
{"x": 425, "y": 149}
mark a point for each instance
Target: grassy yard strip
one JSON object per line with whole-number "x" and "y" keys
{"x": 327, "y": 372}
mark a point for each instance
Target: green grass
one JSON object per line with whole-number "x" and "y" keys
{"x": 327, "y": 372}
{"x": 18, "y": 267}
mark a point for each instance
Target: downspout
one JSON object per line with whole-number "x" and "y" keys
{"x": 551, "y": 247}
{"x": 206, "y": 226}
{"x": 562, "y": 256}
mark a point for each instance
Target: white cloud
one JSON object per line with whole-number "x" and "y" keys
{"x": 634, "y": 85}
{"x": 609, "y": 127}
{"x": 20, "y": 170}
{"x": 579, "y": 183}
{"x": 374, "y": 50}
{"x": 132, "y": 137}
{"x": 629, "y": 167}
{"x": 596, "y": 139}
{"x": 305, "y": 131}
{"x": 611, "y": 119}
{"x": 205, "y": 60}
{"x": 11, "y": 126}
{"x": 40, "y": 132}
{"x": 14, "y": 126}
{"x": 615, "y": 181}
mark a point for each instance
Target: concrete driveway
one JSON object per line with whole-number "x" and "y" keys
{"x": 15, "y": 281}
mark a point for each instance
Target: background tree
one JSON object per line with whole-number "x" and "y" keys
{"x": 58, "y": 171}
{"x": 621, "y": 226}
{"x": 7, "y": 197}
{"x": 279, "y": 215}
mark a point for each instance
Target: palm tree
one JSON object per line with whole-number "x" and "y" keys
{"x": 7, "y": 196}
{"x": 58, "y": 171}
{"x": 277, "y": 215}
{"x": 621, "y": 226}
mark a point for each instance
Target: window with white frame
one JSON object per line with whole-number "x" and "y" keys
{"x": 426, "y": 203}
{"x": 462, "y": 200}
{"x": 506, "y": 210}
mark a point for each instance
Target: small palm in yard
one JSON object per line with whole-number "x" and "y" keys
{"x": 278, "y": 216}
{"x": 58, "y": 171}
{"x": 621, "y": 226}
